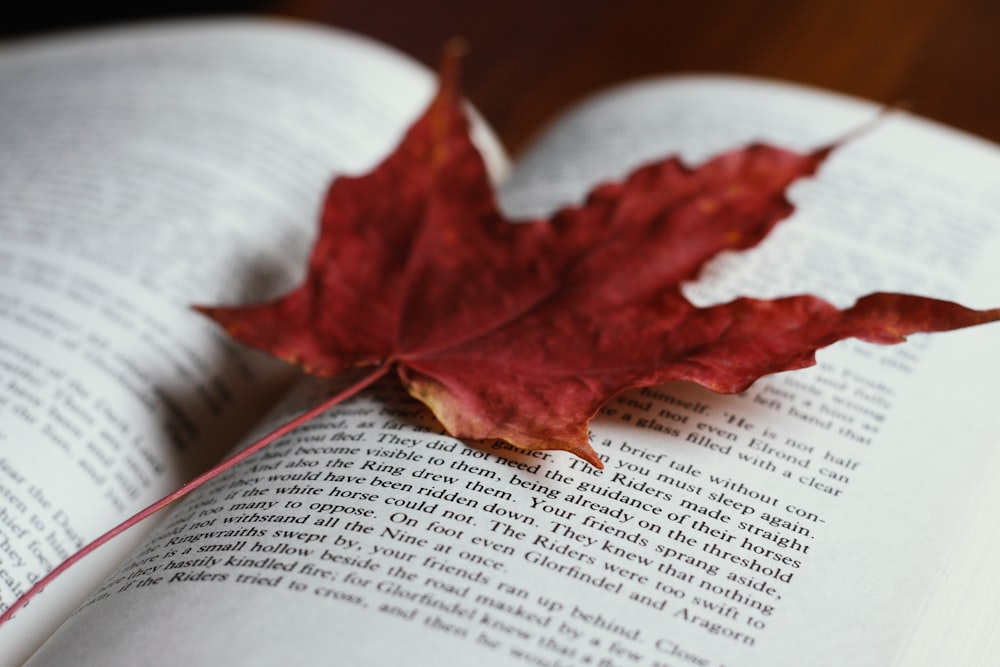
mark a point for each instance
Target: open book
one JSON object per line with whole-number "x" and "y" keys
{"x": 834, "y": 516}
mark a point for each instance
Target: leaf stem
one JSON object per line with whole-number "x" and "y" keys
{"x": 190, "y": 486}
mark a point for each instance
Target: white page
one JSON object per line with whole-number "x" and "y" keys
{"x": 864, "y": 483}
{"x": 143, "y": 170}
{"x": 908, "y": 206}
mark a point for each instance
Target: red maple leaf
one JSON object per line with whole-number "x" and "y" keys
{"x": 521, "y": 331}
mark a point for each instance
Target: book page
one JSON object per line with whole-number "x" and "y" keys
{"x": 801, "y": 522}
{"x": 908, "y": 206}
{"x": 144, "y": 170}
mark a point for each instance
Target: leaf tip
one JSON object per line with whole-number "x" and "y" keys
{"x": 587, "y": 453}
{"x": 449, "y": 68}
{"x": 857, "y": 132}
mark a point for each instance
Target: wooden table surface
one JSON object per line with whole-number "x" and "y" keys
{"x": 531, "y": 58}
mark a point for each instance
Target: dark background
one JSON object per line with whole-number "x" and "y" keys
{"x": 530, "y": 58}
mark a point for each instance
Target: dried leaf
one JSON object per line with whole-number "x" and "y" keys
{"x": 522, "y": 331}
